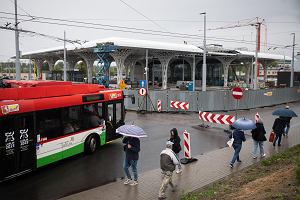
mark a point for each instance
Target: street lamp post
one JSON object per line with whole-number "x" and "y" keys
{"x": 17, "y": 62}
{"x": 204, "y": 55}
{"x": 292, "y": 69}
{"x": 256, "y": 64}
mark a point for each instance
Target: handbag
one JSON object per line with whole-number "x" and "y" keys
{"x": 272, "y": 136}
{"x": 230, "y": 142}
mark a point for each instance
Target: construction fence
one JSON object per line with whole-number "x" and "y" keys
{"x": 217, "y": 100}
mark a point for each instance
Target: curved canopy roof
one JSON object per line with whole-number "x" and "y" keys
{"x": 265, "y": 55}
{"x": 148, "y": 44}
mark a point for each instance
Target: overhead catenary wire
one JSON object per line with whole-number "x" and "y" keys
{"x": 151, "y": 32}
{"x": 130, "y": 29}
{"x": 40, "y": 34}
{"x": 140, "y": 13}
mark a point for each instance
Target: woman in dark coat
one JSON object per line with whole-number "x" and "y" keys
{"x": 176, "y": 147}
{"x": 258, "y": 136}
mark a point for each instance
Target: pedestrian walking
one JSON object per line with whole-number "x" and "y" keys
{"x": 278, "y": 128}
{"x": 288, "y": 121}
{"x": 176, "y": 147}
{"x": 131, "y": 148}
{"x": 258, "y": 136}
{"x": 168, "y": 162}
{"x": 239, "y": 137}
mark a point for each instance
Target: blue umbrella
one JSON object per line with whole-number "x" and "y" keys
{"x": 131, "y": 131}
{"x": 284, "y": 112}
{"x": 244, "y": 124}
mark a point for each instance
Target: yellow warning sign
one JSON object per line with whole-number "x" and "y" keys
{"x": 268, "y": 94}
{"x": 122, "y": 84}
{"x": 298, "y": 90}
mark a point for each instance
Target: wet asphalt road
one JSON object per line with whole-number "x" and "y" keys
{"x": 84, "y": 172}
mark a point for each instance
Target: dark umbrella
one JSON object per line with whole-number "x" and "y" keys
{"x": 244, "y": 124}
{"x": 284, "y": 112}
{"x": 132, "y": 131}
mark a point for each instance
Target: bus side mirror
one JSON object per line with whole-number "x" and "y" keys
{"x": 133, "y": 99}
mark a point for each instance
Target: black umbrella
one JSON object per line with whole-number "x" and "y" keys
{"x": 284, "y": 112}
{"x": 244, "y": 124}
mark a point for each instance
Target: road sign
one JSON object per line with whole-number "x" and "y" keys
{"x": 142, "y": 91}
{"x": 179, "y": 105}
{"x": 216, "y": 118}
{"x": 268, "y": 94}
{"x": 143, "y": 84}
{"x": 122, "y": 84}
{"x": 237, "y": 93}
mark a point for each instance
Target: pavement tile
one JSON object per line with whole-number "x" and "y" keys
{"x": 210, "y": 167}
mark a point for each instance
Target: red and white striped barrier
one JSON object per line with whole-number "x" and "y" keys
{"x": 179, "y": 105}
{"x": 186, "y": 144}
{"x": 216, "y": 118}
{"x": 158, "y": 105}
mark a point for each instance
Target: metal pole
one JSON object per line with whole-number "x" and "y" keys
{"x": 204, "y": 55}
{"x": 292, "y": 69}
{"x": 29, "y": 73}
{"x": 194, "y": 68}
{"x": 17, "y": 62}
{"x": 146, "y": 69}
{"x": 65, "y": 58}
{"x": 182, "y": 69}
{"x": 255, "y": 67}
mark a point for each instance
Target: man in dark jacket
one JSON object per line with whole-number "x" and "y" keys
{"x": 278, "y": 128}
{"x": 168, "y": 162}
{"x": 131, "y": 148}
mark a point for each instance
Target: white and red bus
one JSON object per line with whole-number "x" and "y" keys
{"x": 42, "y": 122}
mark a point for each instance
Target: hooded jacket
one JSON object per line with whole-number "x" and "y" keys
{"x": 258, "y": 134}
{"x": 176, "y": 141}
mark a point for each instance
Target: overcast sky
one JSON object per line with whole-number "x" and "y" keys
{"x": 281, "y": 18}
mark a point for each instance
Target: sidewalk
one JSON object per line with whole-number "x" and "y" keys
{"x": 210, "y": 167}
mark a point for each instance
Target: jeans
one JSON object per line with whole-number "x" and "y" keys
{"x": 286, "y": 130}
{"x": 236, "y": 156}
{"x": 133, "y": 165}
{"x": 255, "y": 146}
{"x": 179, "y": 165}
{"x": 278, "y": 136}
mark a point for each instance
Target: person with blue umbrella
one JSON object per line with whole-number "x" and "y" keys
{"x": 278, "y": 128}
{"x": 239, "y": 137}
{"x": 282, "y": 123}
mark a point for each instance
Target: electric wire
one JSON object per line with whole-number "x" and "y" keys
{"x": 167, "y": 34}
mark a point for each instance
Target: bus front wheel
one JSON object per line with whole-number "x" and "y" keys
{"x": 90, "y": 144}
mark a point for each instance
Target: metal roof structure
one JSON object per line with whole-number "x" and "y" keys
{"x": 154, "y": 45}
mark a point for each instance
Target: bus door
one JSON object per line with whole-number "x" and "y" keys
{"x": 114, "y": 117}
{"x": 17, "y": 149}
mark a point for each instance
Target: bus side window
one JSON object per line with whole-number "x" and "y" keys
{"x": 70, "y": 119}
{"x": 49, "y": 124}
{"x": 90, "y": 117}
{"x": 119, "y": 114}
